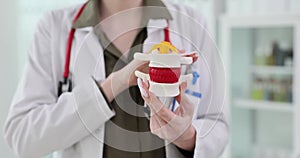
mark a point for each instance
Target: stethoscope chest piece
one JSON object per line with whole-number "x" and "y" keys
{"x": 64, "y": 86}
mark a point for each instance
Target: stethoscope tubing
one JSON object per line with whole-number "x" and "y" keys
{"x": 66, "y": 73}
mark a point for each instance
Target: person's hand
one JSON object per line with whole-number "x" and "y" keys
{"x": 174, "y": 126}
{"x": 126, "y": 75}
{"x": 193, "y": 55}
{"x": 122, "y": 79}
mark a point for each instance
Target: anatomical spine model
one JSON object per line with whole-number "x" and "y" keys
{"x": 165, "y": 69}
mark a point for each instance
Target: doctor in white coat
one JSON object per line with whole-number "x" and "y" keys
{"x": 73, "y": 124}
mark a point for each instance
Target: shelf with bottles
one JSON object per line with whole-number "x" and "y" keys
{"x": 272, "y": 70}
{"x": 272, "y": 89}
{"x": 269, "y": 152}
{"x": 262, "y": 56}
{"x": 272, "y": 74}
{"x": 276, "y": 54}
{"x": 263, "y": 105}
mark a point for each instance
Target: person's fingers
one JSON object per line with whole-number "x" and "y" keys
{"x": 144, "y": 64}
{"x": 142, "y": 67}
{"x": 159, "y": 121}
{"x": 182, "y": 88}
{"x": 142, "y": 90}
{"x": 146, "y": 83}
{"x": 187, "y": 107}
{"x": 154, "y": 124}
{"x": 160, "y": 109}
{"x": 152, "y": 101}
{"x": 155, "y": 105}
{"x": 179, "y": 111}
{"x": 145, "y": 87}
{"x": 182, "y": 51}
{"x": 193, "y": 55}
{"x": 137, "y": 65}
{"x": 145, "y": 69}
{"x": 134, "y": 64}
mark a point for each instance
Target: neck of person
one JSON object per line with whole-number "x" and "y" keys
{"x": 111, "y": 7}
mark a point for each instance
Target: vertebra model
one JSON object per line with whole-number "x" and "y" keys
{"x": 165, "y": 69}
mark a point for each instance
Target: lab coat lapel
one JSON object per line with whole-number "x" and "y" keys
{"x": 87, "y": 44}
{"x": 156, "y": 24}
{"x": 89, "y": 52}
{"x": 92, "y": 146}
{"x": 155, "y": 30}
{"x": 89, "y": 58}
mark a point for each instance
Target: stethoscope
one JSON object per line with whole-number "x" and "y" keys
{"x": 66, "y": 84}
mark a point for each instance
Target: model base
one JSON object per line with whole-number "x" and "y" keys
{"x": 163, "y": 89}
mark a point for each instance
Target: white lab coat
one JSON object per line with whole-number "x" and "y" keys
{"x": 40, "y": 123}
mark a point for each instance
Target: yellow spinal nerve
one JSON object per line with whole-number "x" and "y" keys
{"x": 164, "y": 48}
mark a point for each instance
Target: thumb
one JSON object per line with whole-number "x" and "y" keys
{"x": 182, "y": 88}
{"x": 184, "y": 101}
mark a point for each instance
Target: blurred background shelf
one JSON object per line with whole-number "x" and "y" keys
{"x": 254, "y": 21}
{"x": 257, "y": 74}
{"x": 263, "y": 105}
{"x": 263, "y": 151}
{"x": 276, "y": 70}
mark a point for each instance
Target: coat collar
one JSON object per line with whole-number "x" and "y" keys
{"x": 86, "y": 35}
{"x": 153, "y": 10}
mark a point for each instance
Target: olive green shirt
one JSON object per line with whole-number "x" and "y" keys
{"x": 128, "y": 105}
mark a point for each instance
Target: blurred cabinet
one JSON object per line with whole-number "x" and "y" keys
{"x": 295, "y": 6}
{"x": 262, "y": 7}
{"x": 29, "y": 12}
{"x": 262, "y": 60}
{"x": 210, "y": 9}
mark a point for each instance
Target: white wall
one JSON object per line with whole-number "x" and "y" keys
{"x": 30, "y": 11}
{"x": 17, "y": 21}
{"x": 262, "y": 7}
{"x": 9, "y": 64}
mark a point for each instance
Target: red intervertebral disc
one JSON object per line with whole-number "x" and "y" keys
{"x": 164, "y": 75}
